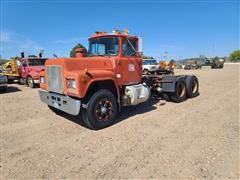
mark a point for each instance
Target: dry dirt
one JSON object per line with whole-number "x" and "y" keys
{"x": 198, "y": 138}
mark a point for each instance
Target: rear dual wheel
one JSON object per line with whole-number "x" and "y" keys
{"x": 192, "y": 86}
{"x": 185, "y": 88}
{"x": 101, "y": 110}
{"x": 180, "y": 91}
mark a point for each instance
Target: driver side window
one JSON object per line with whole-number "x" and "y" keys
{"x": 129, "y": 47}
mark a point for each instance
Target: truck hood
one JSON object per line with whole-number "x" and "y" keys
{"x": 90, "y": 63}
{"x": 36, "y": 69}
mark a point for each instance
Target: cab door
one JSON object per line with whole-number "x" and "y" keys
{"x": 130, "y": 62}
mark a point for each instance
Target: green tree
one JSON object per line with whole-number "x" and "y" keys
{"x": 72, "y": 52}
{"x": 235, "y": 56}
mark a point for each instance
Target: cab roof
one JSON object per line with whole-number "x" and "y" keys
{"x": 105, "y": 34}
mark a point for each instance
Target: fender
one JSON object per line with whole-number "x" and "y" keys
{"x": 86, "y": 79}
{"x": 100, "y": 75}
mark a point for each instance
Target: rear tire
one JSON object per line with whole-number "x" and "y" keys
{"x": 192, "y": 86}
{"x": 180, "y": 91}
{"x": 101, "y": 110}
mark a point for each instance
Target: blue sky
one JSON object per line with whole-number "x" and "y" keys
{"x": 178, "y": 29}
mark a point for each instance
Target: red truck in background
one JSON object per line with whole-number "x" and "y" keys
{"x": 25, "y": 69}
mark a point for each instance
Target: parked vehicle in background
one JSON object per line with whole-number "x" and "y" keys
{"x": 208, "y": 62}
{"x": 217, "y": 63}
{"x": 168, "y": 65}
{"x": 149, "y": 66}
{"x": 11, "y": 69}
{"x": 95, "y": 86}
{"x": 25, "y": 69}
{"x": 192, "y": 64}
{"x": 3, "y": 82}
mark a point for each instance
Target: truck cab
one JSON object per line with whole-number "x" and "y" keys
{"x": 24, "y": 69}
{"x": 30, "y": 68}
{"x": 95, "y": 85}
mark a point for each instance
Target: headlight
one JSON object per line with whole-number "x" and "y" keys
{"x": 71, "y": 83}
{"x": 42, "y": 79}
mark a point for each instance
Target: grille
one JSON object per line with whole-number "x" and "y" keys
{"x": 55, "y": 81}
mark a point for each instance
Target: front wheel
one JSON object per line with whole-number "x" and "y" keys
{"x": 30, "y": 82}
{"x": 101, "y": 110}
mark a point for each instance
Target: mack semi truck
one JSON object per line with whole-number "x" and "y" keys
{"x": 95, "y": 85}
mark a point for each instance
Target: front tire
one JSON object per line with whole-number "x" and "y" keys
{"x": 101, "y": 110}
{"x": 30, "y": 82}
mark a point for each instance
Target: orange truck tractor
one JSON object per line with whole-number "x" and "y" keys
{"x": 95, "y": 85}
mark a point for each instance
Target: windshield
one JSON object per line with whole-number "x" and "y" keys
{"x": 36, "y": 62}
{"x": 103, "y": 46}
{"x": 149, "y": 62}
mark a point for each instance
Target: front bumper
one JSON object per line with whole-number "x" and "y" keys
{"x": 61, "y": 102}
{"x": 3, "y": 85}
{"x": 36, "y": 81}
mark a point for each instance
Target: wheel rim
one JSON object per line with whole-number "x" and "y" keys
{"x": 30, "y": 82}
{"x": 181, "y": 89}
{"x": 194, "y": 86}
{"x": 103, "y": 110}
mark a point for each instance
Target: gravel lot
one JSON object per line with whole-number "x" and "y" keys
{"x": 198, "y": 138}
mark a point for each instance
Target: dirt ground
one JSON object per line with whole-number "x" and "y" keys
{"x": 198, "y": 138}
